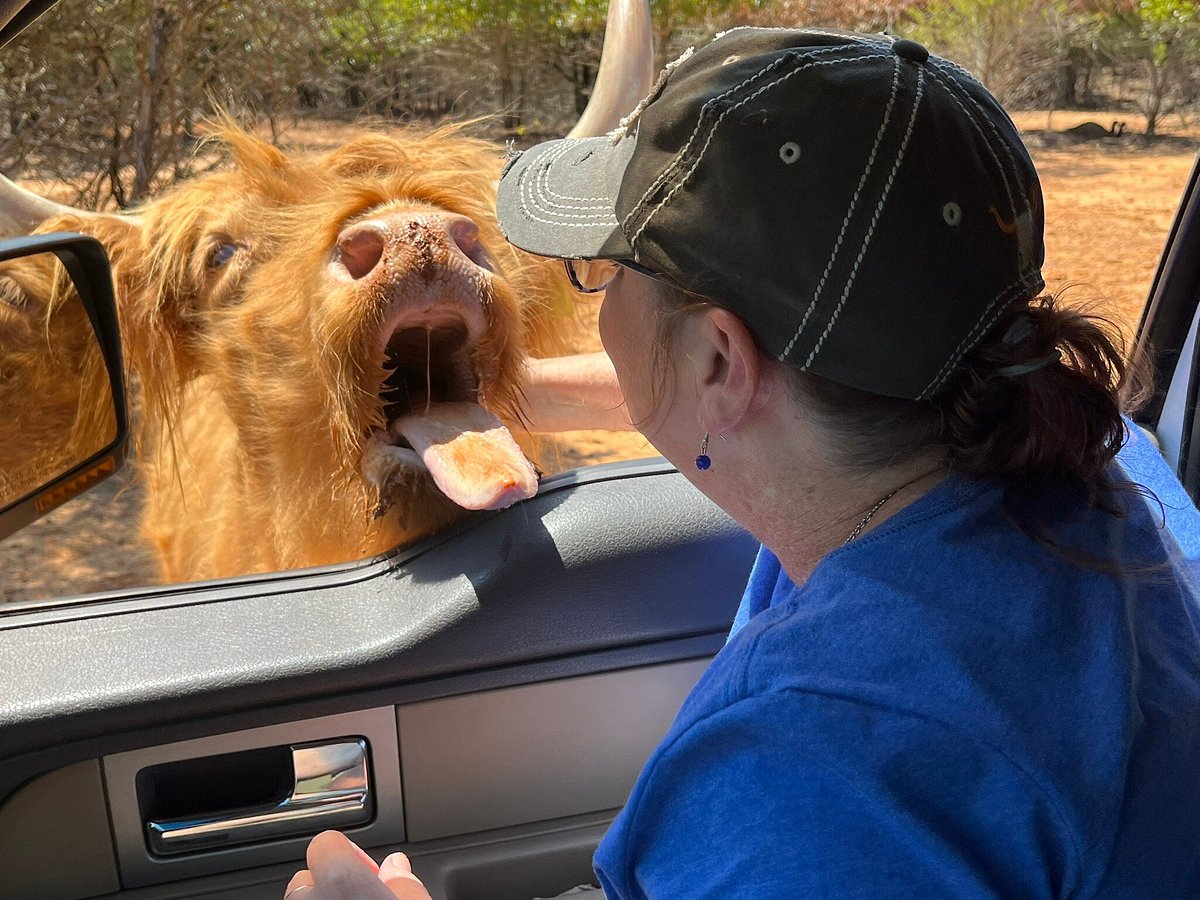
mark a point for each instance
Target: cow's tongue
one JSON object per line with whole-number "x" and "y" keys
{"x": 470, "y": 454}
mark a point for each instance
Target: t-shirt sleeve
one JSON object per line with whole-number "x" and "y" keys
{"x": 793, "y": 794}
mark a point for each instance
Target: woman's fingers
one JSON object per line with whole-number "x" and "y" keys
{"x": 301, "y": 884}
{"x": 396, "y": 873}
{"x": 342, "y": 871}
{"x": 333, "y": 845}
{"x": 339, "y": 870}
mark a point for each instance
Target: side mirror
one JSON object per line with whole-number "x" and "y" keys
{"x": 62, "y": 391}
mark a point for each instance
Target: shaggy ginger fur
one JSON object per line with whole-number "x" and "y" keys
{"x": 53, "y": 384}
{"x": 261, "y": 373}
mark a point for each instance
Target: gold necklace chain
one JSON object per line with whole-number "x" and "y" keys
{"x": 858, "y": 529}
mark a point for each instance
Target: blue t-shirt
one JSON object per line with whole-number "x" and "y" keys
{"x": 944, "y": 709}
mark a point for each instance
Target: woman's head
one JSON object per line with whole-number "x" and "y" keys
{"x": 1040, "y": 397}
{"x": 867, "y": 209}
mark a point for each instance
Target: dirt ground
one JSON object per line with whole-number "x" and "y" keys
{"x": 1109, "y": 205}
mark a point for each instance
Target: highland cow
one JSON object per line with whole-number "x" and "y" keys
{"x": 329, "y": 347}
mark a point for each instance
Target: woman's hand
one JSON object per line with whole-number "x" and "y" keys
{"x": 569, "y": 393}
{"x": 339, "y": 870}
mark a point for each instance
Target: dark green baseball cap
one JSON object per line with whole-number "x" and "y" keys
{"x": 865, "y": 207}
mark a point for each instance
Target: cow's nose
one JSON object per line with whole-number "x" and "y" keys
{"x": 361, "y": 247}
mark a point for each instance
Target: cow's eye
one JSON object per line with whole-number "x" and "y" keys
{"x": 12, "y": 295}
{"x": 221, "y": 254}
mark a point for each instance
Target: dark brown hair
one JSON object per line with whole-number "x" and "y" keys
{"x": 1038, "y": 404}
{"x": 1061, "y": 420}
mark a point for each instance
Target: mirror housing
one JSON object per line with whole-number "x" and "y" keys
{"x": 50, "y": 483}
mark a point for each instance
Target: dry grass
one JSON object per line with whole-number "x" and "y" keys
{"x": 1109, "y": 205}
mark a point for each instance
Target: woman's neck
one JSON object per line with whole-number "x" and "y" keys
{"x": 801, "y": 506}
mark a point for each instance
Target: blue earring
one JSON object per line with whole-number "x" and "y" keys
{"x": 702, "y": 461}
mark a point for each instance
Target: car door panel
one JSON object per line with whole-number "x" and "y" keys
{"x": 583, "y": 616}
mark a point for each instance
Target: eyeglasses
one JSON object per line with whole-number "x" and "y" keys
{"x": 591, "y": 276}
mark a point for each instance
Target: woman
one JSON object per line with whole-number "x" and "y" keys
{"x": 967, "y": 660}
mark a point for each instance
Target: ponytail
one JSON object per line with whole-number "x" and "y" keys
{"x": 1042, "y": 398}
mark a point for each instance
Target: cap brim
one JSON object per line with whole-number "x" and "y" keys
{"x": 558, "y": 198}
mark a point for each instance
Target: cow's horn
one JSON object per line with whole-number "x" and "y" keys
{"x": 626, "y": 68}
{"x": 22, "y": 211}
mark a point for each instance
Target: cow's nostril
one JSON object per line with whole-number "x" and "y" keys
{"x": 360, "y": 248}
{"x": 465, "y": 233}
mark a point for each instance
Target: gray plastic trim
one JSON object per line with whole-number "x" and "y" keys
{"x": 138, "y": 867}
{"x": 600, "y": 566}
{"x": 538, "y": 860}
{"x": 54, "y": 838}
{"x": 542, "y": 865}
{"x": 537, "y": 752}
{"x": 1170, "y": 426}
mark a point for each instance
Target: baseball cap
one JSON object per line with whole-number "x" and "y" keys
{"x": 865, "y": 207}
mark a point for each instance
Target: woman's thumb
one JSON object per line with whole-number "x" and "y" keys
{"x": 396, "y": 873}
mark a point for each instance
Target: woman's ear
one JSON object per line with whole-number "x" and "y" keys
{"x": 729, "y": 371}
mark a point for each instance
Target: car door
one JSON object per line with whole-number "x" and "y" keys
{"x": 489, "y": 694}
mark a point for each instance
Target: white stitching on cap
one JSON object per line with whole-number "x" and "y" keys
{"x": 847, "y": 36}
{"x": 622, "y": 130}
{"x": 1016, "y": 169}
{"x": 987, "y": 120}
{"x": 982, "y": 324}
{"x": 955, "y": 67}
{"x": 861, "y": 40}
{"x": 544, "y": 190}
{"x": 679, "y": 157}
{"x": 544, "y": 183}
{"x": 527, "y": 197}
{"x": 887, "y": 190}
{"x": 948, "y": 86}
{"x": 1030, "y": 279}
{"x": 721, "y": 34}
{"x": 837, "y": 244}
{"x": 529, "y": 190}
{"x": 669, "y": 169}
{"x": 716, "y": 124}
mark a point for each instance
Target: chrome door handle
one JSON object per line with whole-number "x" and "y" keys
{"x": 331, "y": 790}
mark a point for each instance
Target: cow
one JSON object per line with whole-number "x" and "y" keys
{"x": 329, "y": 347}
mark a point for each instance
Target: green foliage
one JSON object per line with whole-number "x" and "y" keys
{"x": 995, "y": 39}
{"x": 1162, "y": 37}
{"x": 116, "y": 90}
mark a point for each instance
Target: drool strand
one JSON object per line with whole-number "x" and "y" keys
{"x": 428, "y": 367}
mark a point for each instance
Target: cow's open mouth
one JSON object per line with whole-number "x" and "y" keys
{"x": 429, "y": 363}
{"x": 436, "y": 427}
